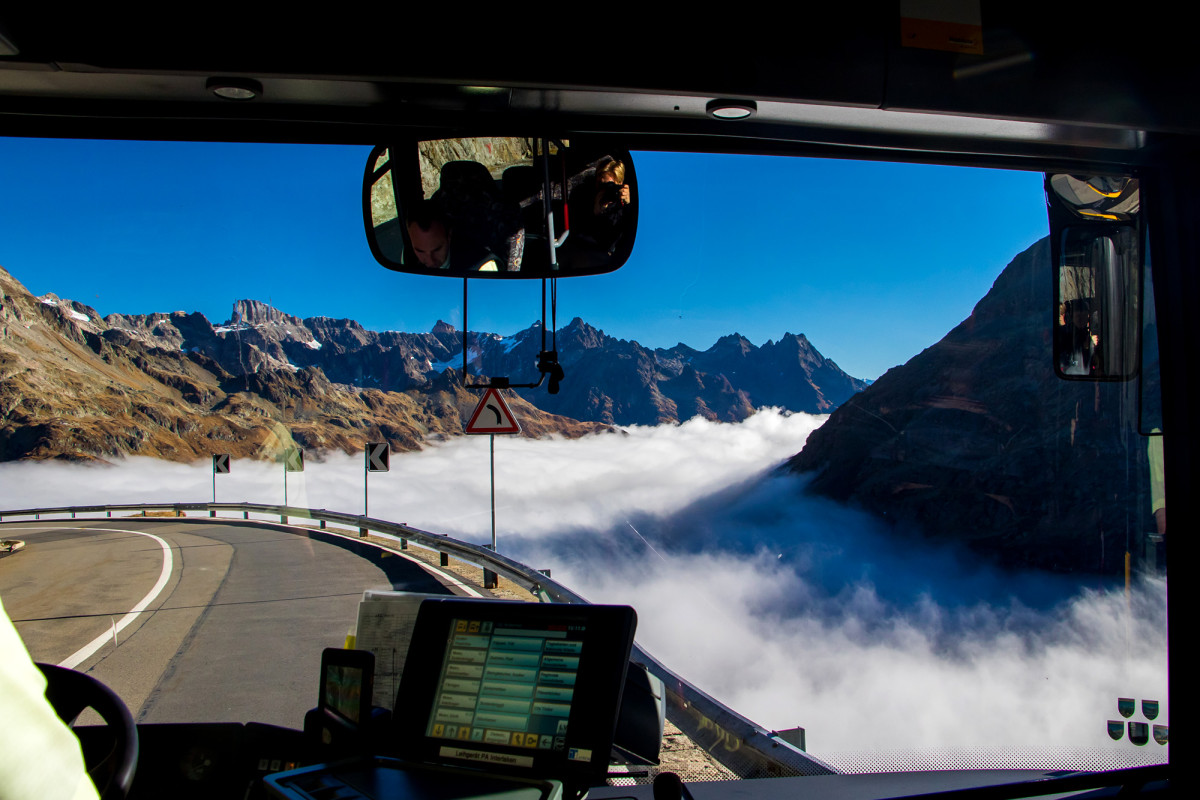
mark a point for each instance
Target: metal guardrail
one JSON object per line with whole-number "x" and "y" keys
{"x": 746, "y": 749}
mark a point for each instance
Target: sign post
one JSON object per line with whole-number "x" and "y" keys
{"x": 492, "y": 475}
{"x": 376, "y": 458}
{"x": 492, "y": 416}
{"x": 293, "y": 461}
{"x": 220, "y": 466}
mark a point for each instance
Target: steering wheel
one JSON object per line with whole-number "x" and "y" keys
{"x": 69, "y": 693}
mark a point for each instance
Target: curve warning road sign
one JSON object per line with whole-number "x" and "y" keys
{"x": 293, "y": 461}
{"x": 378, "y": 457}
{"x": 492, "y": 416}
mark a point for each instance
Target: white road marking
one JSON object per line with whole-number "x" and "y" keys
{"x": 86, "y": 652}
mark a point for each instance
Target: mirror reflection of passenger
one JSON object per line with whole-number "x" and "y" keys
{"x": 603, "y": 202}
{"x": 1079, "y": 345}
{"x": 430, "y": 236}
{"x": 612, "y": 193}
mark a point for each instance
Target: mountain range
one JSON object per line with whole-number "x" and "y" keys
{"x": 77, "y": 385}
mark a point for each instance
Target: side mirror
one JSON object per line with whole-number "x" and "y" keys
{"x": 500, "y": 207}
{"x": 1095, "y": 246}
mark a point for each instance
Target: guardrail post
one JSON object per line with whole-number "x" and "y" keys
{"x": 283, "y": 518}
{"x": 110, "y": 513}
{"x": 793, "y": 736}
{"x": 245, "y": 515}
{"x": 322, "y": 524}
{"x": 37, "y": 516}
{"x": 72, "y": 515}
{"x": 404, "y": 544}
{"x": 143, "y": 512}
{"x": 490, "y": 579}
{"x": 445, "y": 559}
{"x": 362, "y": 533}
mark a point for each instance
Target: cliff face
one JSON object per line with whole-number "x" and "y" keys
{"x": 976, "y": 440}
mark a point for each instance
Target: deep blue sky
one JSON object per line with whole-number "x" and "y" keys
{"x": 873, "y": 262}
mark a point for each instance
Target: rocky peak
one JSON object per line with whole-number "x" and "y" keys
{"x": 792, "y": 346}
{"x": 581, "y": 335}
{"x": 796, "y": 339}
{"x": 443, "y": 327}
{"x": 734, "y": 342}
{"x": 256, "y": 312}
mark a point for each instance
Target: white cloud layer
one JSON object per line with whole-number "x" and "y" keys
{"x": 881, "y": 678}
{"x": 792, "y": 610}
{"x": 541, "y": 485}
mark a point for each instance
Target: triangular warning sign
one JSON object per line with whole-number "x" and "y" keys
{"x": 492, "y": 416}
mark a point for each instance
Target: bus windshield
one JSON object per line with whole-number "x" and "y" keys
{"x": 812, "y": 432}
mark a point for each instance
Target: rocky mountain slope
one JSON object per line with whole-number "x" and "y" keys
{"x": 975, "y": 440}
{"x": 73, "y": 385}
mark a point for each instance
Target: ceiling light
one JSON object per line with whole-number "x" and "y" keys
{"x": 239, "y": 89}
{"x": 731, "y": 109}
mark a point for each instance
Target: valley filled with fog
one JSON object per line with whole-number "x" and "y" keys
{"x": 792, "y": 609}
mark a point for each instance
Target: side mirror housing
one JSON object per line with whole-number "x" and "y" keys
{"x": 1095, "y": 242}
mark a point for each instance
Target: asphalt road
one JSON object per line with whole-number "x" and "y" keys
{"x": 235, "y": 614}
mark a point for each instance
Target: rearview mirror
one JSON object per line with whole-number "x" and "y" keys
{"x": 1097, "y": 290}
{"x": 477, "y": 207}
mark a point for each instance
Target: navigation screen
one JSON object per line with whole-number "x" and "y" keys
{"x": 343, "y": 691}
{"x": 500, "y": 682}
{"x": 508, "y": 684}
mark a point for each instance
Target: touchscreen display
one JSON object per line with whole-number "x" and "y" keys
{"x": 343, "y": 691}
{"x": 507, "y": 683}
{"x": 519, "y": 688}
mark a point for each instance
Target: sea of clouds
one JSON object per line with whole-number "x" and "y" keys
{"x": 789, "y": 608}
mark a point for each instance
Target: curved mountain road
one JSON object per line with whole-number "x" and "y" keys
{"x": 233, "y": 615}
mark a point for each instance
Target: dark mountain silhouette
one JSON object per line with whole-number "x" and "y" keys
{"x": 975, "y": 440}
